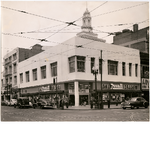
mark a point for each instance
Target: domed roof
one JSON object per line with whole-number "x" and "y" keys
{"x": 86, "y": 12}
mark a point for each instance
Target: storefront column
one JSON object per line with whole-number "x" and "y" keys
{"x": 76, "y": 90}
{"x": 119, "y": 69}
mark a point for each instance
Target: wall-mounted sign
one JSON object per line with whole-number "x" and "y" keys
{"x": 116, "y": 86}
{"x": 145, "y": 83}
{"x": 44, "y": 88}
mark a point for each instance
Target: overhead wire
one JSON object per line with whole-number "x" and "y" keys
{"x": 120, "y": 9}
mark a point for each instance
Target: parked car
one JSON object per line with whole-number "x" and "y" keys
{"x": 45, "y": 103}
{"x": 135, "y": 102}
{"x": 3, "y": 103}
{"x": 13, "y": 102}
{"x": 22, "y": 102}
{"x": 7, "y": 102}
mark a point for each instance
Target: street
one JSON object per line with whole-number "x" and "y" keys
{"x": 113, "y": 114}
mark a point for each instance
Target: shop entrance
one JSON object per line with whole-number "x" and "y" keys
{"x": 82, "y": 99}
{"x": 72, "y": 100}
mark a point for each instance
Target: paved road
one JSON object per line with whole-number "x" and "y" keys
{"x": 14, "y": 114}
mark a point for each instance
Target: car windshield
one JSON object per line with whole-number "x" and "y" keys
{"x": 133, "y": 99}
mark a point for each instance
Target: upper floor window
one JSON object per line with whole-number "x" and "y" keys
{"x": 54, "y": 69}
{"x": 136, "y": 70}
{"x": 43, "y": 72}
{"x": 92, "y": 64}
{"x": 123, "y": 68}
{"x": 10, "y": 79}
{"x": 27, "y": 77}
{"x": 14, "y": 56}
{"x": 15, "y": 79}
{"x": 130, "y": 69}
{"x": 72, "y": 64}
{"x": 10, "y": 58}
{"x": 34, "y": 71}
{"x": 112, "y": 67}
{"x": 145, "y": 71}
{"x": 80, "y": 63}
{"x": 100, "y": 65}
{"x": 21, "y": 77}
{"x": 6, "y": 80}
{"x": 15, "y": 68}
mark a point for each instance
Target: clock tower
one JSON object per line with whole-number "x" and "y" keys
{"x": 87, "y": 30}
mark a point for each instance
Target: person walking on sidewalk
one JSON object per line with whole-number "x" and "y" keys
{"x": 91, "y": 102}
{"x": 108, "y": 101}
{"x": 67, "y": 101}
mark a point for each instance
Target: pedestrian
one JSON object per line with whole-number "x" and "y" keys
{"x": 108, "y": 102}
{"x": 62, "y": 102}
{"x": 91, "y": 102}
{"x": 67, "y": 101}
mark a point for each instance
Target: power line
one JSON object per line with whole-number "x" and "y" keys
{"x": 25, "y": 12}
{"x": 119, "y": 9}
{"x": 35, "y": 31}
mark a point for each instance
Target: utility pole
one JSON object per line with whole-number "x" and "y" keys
{"x": 101, "y": 104}
{"x": 95, "y": 72}
{"x": 56, "y": 94}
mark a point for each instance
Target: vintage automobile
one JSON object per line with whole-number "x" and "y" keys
{"x": 45, "y": 103}
{"x": 135, "y": 102}
{"x": 22, "y": 102}
{"x": 13, "y": 102}
{"x": 7, "y": 102}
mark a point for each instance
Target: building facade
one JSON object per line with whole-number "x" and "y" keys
{"x": 10, "y": 64}
{"x": 68, "y": 68}
{"x": 137, "y": 39}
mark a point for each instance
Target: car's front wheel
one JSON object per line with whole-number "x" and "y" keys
{"x": 124, "y": 107}
{"x": 145, "y": 105}
{"x": 132, "y": 107}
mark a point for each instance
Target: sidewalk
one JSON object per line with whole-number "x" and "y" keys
{"x": 87, "y": 107}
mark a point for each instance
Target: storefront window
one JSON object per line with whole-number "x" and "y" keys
{"x": 54, "y": 69}
{"x": 112, "y": 67}
{"x": 71, "y": 87}
{"x": 80, "y": 64}
{"x": 72, "y": 64}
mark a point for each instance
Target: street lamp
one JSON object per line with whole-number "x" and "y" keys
{"x": 8, "y": 87}
{"x": 55, "y": 83}
{"x": 95, "y": 72}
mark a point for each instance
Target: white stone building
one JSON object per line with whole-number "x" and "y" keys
{"x": 72, "y": 62}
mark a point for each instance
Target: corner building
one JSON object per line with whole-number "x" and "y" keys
{"x": 70, "y": 64}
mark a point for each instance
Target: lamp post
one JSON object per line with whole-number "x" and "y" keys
{"x": 55, "y": 83}
{"x": 8, "y": 87}
{"x": 95, "y": 72}
{"x": 101, "y": 104}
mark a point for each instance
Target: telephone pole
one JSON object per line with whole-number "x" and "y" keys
{"x": 101, "y": 104}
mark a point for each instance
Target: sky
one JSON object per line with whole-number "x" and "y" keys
{"x": 106, "y": 17}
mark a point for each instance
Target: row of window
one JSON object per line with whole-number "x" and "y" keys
{"x": 112, "y": 66}
{"x": 10, "y": 69}
{"x": 10, "y": 80}
{"x": 43, "y": 73}
{"x": 13, "y": 57}
{"x": 77, "y": 63}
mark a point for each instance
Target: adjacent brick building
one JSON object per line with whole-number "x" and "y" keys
{"x": 137, "y": 39}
